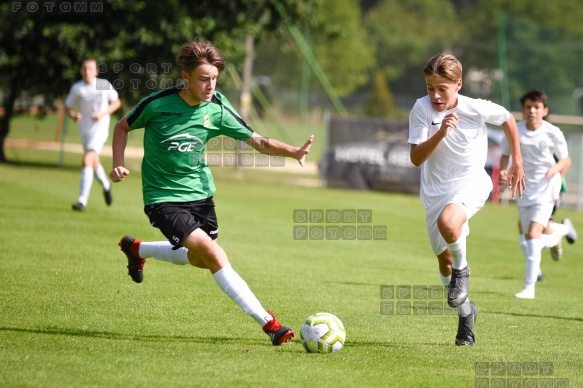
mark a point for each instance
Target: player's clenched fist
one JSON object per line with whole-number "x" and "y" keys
{"x": 118, "y": 174}
{"x": 449, "y": 122}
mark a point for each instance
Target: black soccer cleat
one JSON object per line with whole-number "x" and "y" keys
{"x": 135, "y": 263}
{"x": 465, "y": 328}
{"x": 457, "y": 291}
{"x": 78, "y": 207}
{"x": 572, "y": 235}
{"x": 107, "y": 196}
{"x": 278, "y": 333}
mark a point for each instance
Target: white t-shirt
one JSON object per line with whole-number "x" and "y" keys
{"x": 89, "y": 98}
{"x": 458, "y": 161}
{"x": 537, "y": 148}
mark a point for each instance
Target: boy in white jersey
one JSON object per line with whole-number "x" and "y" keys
{"x": 540, "y": 143}
{"x": 448, "y": 137}
{"x": 177, "y": 183}
{"x": 90, "y": 103}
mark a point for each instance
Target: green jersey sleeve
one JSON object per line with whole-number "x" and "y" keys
{"x": 231, "y": 123}
{"x": 142, "y": 112}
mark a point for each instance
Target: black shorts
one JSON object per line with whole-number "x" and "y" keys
{"x": 177, "y": 220}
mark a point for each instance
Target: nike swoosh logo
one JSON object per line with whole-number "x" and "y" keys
{"x": 434, "y": 123}
{"x": 459, "y": 296}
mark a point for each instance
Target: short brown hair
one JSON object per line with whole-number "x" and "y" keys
{"x": 444, "y": 65}
{"x": 534, "y": 95}
{"x": 195, "y": 53}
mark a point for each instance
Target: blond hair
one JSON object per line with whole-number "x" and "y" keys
{"x": 444, "y": 65}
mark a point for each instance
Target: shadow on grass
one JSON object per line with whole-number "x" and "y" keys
{"x": 536, "y": 316}
{"x": 353, "y": 283}
{"x": 40, "y": 165}
{"x": 387, "y": 344}
{"x": 133, "y": 337}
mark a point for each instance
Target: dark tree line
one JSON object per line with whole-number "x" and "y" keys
{"x": 43, "y": 43}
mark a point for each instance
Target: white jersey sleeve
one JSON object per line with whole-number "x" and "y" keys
{"x": 72, "y": 99}
{"x": 111, "y": 92}
{"x": 418, "y": 124}
{"x": 493, "y": 113}
{"x": 561, "y": 151}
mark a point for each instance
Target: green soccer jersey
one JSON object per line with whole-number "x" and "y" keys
{"x": 174, "y": 168}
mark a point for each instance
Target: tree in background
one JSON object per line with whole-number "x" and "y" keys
{"x": 344, "y": 52}
{"x": 540, "y": 43}
{"x": 338, "y": 41}
{"x": 43, "y": 43}
{"x": 406, "y": 33}
{"x": 380, "y": 101}
{"x": 40, "y": 50}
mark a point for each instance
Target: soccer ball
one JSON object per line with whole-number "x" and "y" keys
{"x": 322, "y": 333}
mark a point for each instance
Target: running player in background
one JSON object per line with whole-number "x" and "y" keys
{"x": 540, "y": 142}
{"x": 90, "y": 103}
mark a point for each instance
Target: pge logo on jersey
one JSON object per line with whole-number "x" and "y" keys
{"x": 183, "y": 142}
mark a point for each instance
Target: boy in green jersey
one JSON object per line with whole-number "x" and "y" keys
{"x": 177, "y": 183}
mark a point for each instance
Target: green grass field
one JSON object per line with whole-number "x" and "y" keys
{"x": 71, "y": 317}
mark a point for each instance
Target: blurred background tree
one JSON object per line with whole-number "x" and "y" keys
{"x": 506, "y": 47}
{"x": 380, "y": 102}
{"x": 43, "y": 44}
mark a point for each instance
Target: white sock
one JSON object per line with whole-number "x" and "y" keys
{"x": 102, "y": 178}
{"x": 533, "y": 257}
{"x": 236, "y": 288}
{"x": 444, "y": 280}
{"x": 560, "y": 229}
{"x": 458, "y": 252}
{"x": 162, "y": 250}
{"x": 85, "y": 185}
{"x": 523, "y": 244}
{"x": 523, "y": 247}
{"x": 464, "y": 309}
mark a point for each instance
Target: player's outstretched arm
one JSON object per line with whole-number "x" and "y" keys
{"x": 269, "y": 146}
{"x": 118, "y": 146}
{"x": 515, "y": 173}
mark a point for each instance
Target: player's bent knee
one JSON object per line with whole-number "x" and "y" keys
{"x": 449, "y": 232}
{"x": 213, "y": 257}
{"x": 196, "y": 261}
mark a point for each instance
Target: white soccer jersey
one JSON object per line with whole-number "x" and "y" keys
{"x": 537, "y": 148}
{"x": 89, "y": 98}
{"x": 457, "y": 164}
